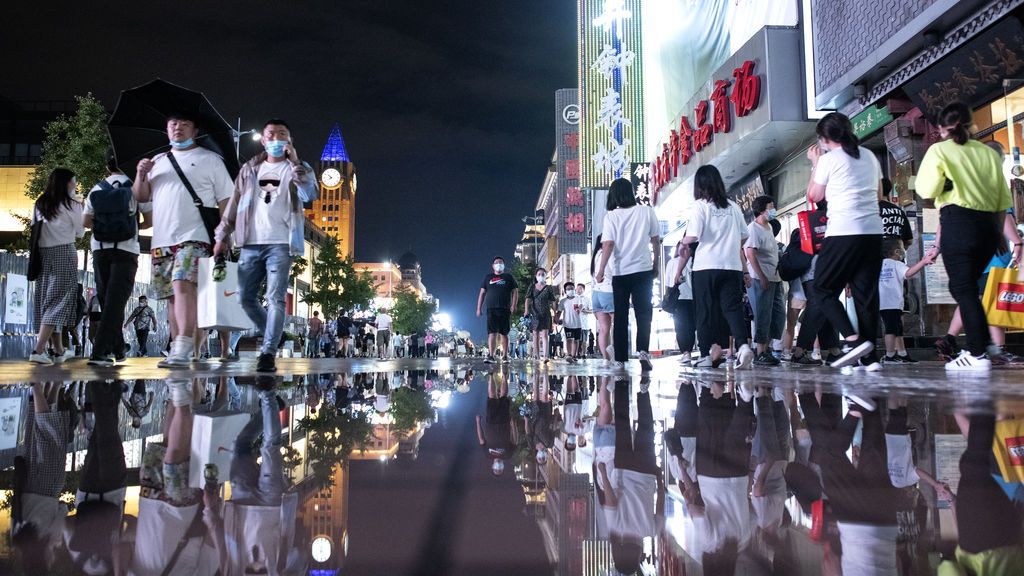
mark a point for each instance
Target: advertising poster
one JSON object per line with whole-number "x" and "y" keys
{"x": 936, "y": 282}
{"x": 16, "y": 298}
{"x": 10, "y": 420}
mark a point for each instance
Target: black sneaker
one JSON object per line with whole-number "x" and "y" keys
{"x": 804, "y": 360}
{"x": 101, "y": 361}
{"x": 832, "y": 358}
{"x": 265, "y": 363}
{"x": 489, "y": 360}
{"x": 896, "y": 359}
{"x": 766, "y": 359}
{"x": 908, "y": 359}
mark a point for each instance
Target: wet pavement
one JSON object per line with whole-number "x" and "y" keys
{"x": 418, "y": 466}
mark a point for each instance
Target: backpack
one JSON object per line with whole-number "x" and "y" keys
{"x": 794, "y": 262}
{"x": 113, "y": 220}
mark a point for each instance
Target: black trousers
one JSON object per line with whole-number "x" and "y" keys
{"x": 718, "y": 296}
{"x": 634, "y": 450}
{"x": 104, "y": 467}
{"x": 773, "y": 438}
{"x": 637, "y": 287}
{"x": 115, "y": 278}
{"x": 685, "y": 318}
{"x": 143, "y": 338}
{"x": 969, "y": 240}
{"x": 722, "y": 428}
{"x": 985, "y": 517}
{"x": 862, "y": 494}
{"x": 854, "y": 261}
{"x": 814, "y": 316}
{"x": 821, "y": 420}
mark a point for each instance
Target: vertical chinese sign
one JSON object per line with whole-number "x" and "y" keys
{"x": 640, "y": 176}
{"x": 612, "y": 63}
{"x": 572, "y": 206}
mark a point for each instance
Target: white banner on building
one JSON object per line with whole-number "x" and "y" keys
{"x": 16, "y": 297}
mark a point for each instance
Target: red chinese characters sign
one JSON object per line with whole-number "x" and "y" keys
{"x": 570, "y": 220}
{"x": 711, "y": 116}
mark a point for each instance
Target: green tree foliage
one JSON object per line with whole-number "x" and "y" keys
{"x": 410, "y": 314}
{"x": 524, "y": 274}
{"x": 78, "y": 142}
{"x": 337, "y": 286}
{"x": 410, "y": 406}
{"x": 331, "y": 437}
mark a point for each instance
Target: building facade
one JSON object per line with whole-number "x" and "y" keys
{"x": 335, "y": 211}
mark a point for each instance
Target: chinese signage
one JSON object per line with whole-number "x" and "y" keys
{"x": 744, "y": 193}
{"x": 738, "y": 96}
{"x": 640, "y": 176}
{"x": 871, "y": 120}
{"x": 572, "y": 205}
{"x": 974, "y": 72}
{"x": 612, "y": 64}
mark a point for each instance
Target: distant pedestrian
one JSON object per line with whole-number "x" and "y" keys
{"x": 602, "y": 302}
{"x": 180, "y": 235}
{"x": 383, "y": 323}
{"x": 144, "y": 320}
{"x": 569, "y": 315}
{"x": 848, "y": 176}
{"x": 890, "y": 292}
{"x": 679, "y": 273}
{"x": 498, "y": 295}
{"x": 765, "y": 291}
{"x": 585, "y": 312}
{"x": 628, "y": 230}
{"x": 54, "y": 306}
{"x": 316, "y": 330}
{"x": 265, "y": 218}
{"x": 540, "y": 299}
{"x": 115, "y": 219}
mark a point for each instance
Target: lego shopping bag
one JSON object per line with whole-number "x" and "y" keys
{"x": 220, "y": 307}
{"x": 1008, "y": 447}
{"x": 1004, "y": 298}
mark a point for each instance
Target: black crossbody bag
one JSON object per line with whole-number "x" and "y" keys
{"x": 210, "y": 216}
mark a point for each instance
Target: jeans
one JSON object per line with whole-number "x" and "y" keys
{"x": 142, "y": 336}
{"x": 769, "y": 311}
{"x": 685, "y": 318}
{"x": 262, "y": 483}
{"x": 718, "y": 295}
{"x": 115, "y": 278}
{"x": 854, "y": 261}
{"x": 639, "y": 288}
{"x": 969, "y": 240}
{"x": 270, "y": 262}
{"x": 722, "y": 428}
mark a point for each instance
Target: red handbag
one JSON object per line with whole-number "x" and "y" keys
{"x": 812, "y": 229}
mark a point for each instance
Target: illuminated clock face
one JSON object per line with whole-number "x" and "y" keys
{"x": 321, "y": 549}
{"x": 354, "y": 182}
{"x": 331, "y": 178}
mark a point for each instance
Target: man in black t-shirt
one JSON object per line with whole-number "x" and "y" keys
{"x": 498, "y": 295}
{"x": 895, "y": 224}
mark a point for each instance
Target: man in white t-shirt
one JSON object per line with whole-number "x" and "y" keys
{"x": 266, "y": 219}
{"x": 383, "y": 334}
{"x": 115, "y": 263}
{"x": 570, "y": 313}
{"x": 765, "y": 284}
{"x": 586, "y": 311}
{"x": 180, "y": 237}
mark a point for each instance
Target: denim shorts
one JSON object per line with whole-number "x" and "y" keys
{"x": 602, "y": 302}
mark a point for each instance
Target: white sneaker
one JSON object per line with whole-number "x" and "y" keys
{"x": 41, "y": 359}
{"x": 744, "y": 357}
{"x": 853, "y": 353}
{"x": 705, "y": 362}
{"x": 62, "y": 358}
{"x": 746, "y": 391}
{"x": 179, "y": 357}
{"x": 862, "y": 400}
{"x": 616, "y": 365}
{"x": 967, "y": 362}
{"x": 611, "y": 350}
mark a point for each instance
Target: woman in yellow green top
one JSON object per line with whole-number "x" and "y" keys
{"x": 971, "y": 214}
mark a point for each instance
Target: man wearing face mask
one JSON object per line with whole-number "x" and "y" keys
{"x": 265, "y": 215}
{"x": 180, "y": 238}
{"x": 763, "y": 261}
{"x": 498, "y": 295}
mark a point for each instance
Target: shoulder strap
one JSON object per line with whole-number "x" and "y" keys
{"x": 184, "y": 180}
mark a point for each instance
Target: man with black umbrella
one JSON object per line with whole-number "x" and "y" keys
{"x": 171, "y": 182}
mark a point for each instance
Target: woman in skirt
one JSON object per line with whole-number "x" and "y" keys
{"x": 55, "y": 296}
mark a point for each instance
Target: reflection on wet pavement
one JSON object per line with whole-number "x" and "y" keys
{"x": 518, "y": 470}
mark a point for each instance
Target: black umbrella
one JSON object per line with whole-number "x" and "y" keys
{"x": 138, "y": 128}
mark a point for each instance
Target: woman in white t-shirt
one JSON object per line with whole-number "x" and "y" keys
{"x": 632, "y": 234}
{"x": 602, "y": 302}
{"x": 678, "y": 272}
{"x": 55, "y": 305}
{"x": 717, "y": 224}
{"x": 849, "y": 177}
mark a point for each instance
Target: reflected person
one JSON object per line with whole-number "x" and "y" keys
{"x": 496, "y": 434}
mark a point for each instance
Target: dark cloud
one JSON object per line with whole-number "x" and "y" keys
{"x": 445, "y": 107}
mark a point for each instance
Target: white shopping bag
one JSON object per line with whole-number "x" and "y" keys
{"x": 220, "y": 307}
{"x": 213, "y": 442}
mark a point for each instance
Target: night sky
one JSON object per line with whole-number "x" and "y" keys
{"x": 446, "y": 108}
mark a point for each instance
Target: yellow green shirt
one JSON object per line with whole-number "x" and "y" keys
{"x": 976, "y": 171}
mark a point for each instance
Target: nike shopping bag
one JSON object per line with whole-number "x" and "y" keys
{"x": 220, "y": 307}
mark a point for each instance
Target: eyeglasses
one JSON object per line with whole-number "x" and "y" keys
{"x": 266, "y": 193}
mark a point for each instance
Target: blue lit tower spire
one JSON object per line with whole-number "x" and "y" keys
{"x": 335, "y": 151}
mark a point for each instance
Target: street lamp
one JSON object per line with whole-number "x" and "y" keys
{"x": 237, "y": 134}
{"x": 535, "y": 220}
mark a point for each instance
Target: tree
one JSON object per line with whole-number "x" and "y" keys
{"x": 410, "y": 314}
{"x": 337, "y": 286}
{"x": 524, "y": 273}
{"x": 410, "y": 406}
{"x": 331, "y": 436}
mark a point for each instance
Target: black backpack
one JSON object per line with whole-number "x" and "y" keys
{"x": 794, "y": 262}
{"x": 113, "y": 220}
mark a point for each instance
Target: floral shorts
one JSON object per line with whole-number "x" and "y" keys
{"x": 176, "y": 263}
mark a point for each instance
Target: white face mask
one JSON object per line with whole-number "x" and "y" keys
{"x": 541, "y": 278}
{"x": 498, "y": 268}
{"x": 570, "y": 293}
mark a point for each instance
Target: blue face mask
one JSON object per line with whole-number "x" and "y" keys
{"x": 570, "y": 293}
{"x": 275, "y": 148}
{"x": 182, "y": 145}
{"x": 772, "y": 214}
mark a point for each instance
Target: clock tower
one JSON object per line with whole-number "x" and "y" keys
{"x": 335, "y": 211}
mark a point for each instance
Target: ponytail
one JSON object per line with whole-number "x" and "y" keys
{"x": 956, "y": 119}
{"x": 838, "y": 128}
